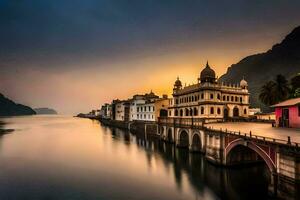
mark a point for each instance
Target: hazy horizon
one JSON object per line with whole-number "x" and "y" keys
{"x": 75, "y": 56}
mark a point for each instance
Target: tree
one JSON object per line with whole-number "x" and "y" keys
{"x": 267, "y": 95}
{"x": 281, "y": 89}
{"x": 297, "y": 93}
{"x": 295, "y": 83}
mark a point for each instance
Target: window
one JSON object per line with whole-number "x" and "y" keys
{"x": 149, "y": 108}
{"x": 141, "y": 109}
{"x": 224, "y": 98}
{"x": 153, "y": 108}
{"x": 138, "y": 109}
{"x": 227, "y": 98}
{"x": 144, "y": 116}
{"x": 138, "y": 116}
{"x": 192, "y": 98}
{"x": 202, "y": 110}
{"x": 245, "y": 111}
{"x": 211, "y": 96}
{"x": 219, "y": 97}
{"x": 176, "y": 101}
{"x": 231, "y": 98}
{"x": 202, "y": 96}
{"x": 176, "y": 112}
{"x": 181, "y": 112}
{"x": 219, "y": 111}
{"x": 170, "y": 113}
{"x": 195, "y": 111}
{"x": 241, "y": 99}
{"x": 186, "y": 112}
{"x": 212, "y": 110}
{"x": 236, "y": 99}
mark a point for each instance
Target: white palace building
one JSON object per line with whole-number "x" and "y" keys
{"x": 209, "y": 99}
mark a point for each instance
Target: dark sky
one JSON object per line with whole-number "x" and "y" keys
{"x": 60, "y": 53}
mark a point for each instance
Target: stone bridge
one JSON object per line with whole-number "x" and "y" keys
{"x": 229, "y": 148}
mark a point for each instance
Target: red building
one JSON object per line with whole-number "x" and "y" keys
{"x": 288, "y": 113}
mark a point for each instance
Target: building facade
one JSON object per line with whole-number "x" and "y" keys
{"x": 209, "y": 99}
{"x": 288, "y": 113}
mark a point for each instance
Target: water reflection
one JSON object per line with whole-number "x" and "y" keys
{"x": 237, "y": 183}
{"x": 58, "y": 157}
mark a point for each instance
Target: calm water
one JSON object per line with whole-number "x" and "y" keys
{"x": 69, "y": 158}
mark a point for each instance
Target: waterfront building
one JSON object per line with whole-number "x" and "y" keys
{"x": 134, "y": 103}
{"x": 138, "y": 102}
{"x": 288, "y": 113}
{"x": 105, "y": 111}
{"x": 254, "y": 111}
{"x": 209, "y": 99}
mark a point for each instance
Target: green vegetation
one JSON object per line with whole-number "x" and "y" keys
{"x": 279, "y": 89}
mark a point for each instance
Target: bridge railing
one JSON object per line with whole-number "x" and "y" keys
{"x": 257, "y": 137}
{"x": 181, "y": 122}
{"x": 199, "y": 123}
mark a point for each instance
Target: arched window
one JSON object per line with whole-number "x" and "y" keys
{"x": 218, "y": 96}
{"x": 212, "y": 110}
{"x": 231, "y": 98}
{"x": 236, "y": 99}
{"x": 191, "y": 112}
{"x": 219, "y": 111}
{"x": 245, "y": 111}
{"x": 241, "y": 99}
{"x": 186, "y": 112}
{"x": 227, "y": 98}
{"x": 211, "y": 96}
{"x": 202, "y": 110}
{"x": 176, "y": 112}
{"x": 181, "y": 112}
{"x": 202, "y": 96}
{"x": 192, "y": 98}
{"x": 195, "y": 111}
{"x": 224, "y": 98}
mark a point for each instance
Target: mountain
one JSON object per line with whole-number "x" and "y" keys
{"x": 283, "y": 58}
{"x": 45, "y": 111}
{"x": 10, "y": 108}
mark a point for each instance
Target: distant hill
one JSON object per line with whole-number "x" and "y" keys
{"x": 10, "y": 108}
{"x": 45, "y": 111}
{"x": 283, "y": 58}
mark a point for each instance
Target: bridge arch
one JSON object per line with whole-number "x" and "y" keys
{"x": 170, "y": 135}
{"x": 196, "y": 142}
{"x": 248, "y": 144}
{"x": 183, "y": 138}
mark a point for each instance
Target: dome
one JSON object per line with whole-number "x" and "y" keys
{"x": 177, "y": 83}
{"x": 207, "y": 74}
{"x": 243, "y": 83}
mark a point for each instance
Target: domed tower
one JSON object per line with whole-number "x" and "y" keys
{"x": 244, "y": 84}
{"x": 177, "y": 85}
{"x": 207, "y": 75}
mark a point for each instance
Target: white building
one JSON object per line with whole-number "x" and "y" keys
{"x": 120, "y": 111}
{"x": 146, "y": 112}
{"x": 136, "y": 101}
{"x": 209, "y": 99}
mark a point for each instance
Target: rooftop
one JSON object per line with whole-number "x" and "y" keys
{"x": 290, "y": 102}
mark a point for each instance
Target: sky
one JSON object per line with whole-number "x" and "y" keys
{"x": 74, "y": 55}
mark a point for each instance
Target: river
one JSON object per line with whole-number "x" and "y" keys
{"x": 61, "y": 157}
